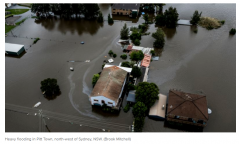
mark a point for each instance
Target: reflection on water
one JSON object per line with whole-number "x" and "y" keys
{"x": 170, "y": 32}
{"x": 67, "y": 25}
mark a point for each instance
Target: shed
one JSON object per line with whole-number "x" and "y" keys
{"x": 131, "y": 96}
{"x": 158, "y": 110}
{"x": 14, "y": 49}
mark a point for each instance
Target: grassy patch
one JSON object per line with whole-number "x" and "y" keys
{"x": 9, "y": 15}
{"x": 210, "y": 23}
{"x": 8, "y": 28}
{"x": 17, "y": 11}
{"x": 35, "y": 17}
{"x": 18, "y": 23}
{"x": 35, "y": 41}
{"x": 25, "y": 5}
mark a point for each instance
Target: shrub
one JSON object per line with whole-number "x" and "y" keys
{"x": 152, "y": 52}
{"x": 126, "y": 108}
{"x": 103, "y": 66}
{"x": 195, "y": 31}
{"x": 136, "y": 42}
{"x": 136, "y": 72}
{"x": 135, "y": 35}
{"x": 114, "y": 55}
{"x": 222, "y": 22}
{"x": 110, "y": 20}
{"x": 131, "y": 86}
{"x": 95, "y": 79}
{"x": 35, "y": 41}
{"x": 232, "y": 31}
{"x": 124, "y": 32}
{"x": 139, "y": 110}
{"x": 100, "y": 18}
{"x": 124, "y": 56}
{"x": 125, "y": 64}
{"x": 110, "y": 53}
{"x": 209, "y": 23}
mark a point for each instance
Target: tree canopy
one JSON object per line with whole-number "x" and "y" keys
{"x": 136, "y": 56}
{"x": 136, "y": 72}
{"x": 146, "y": 18}
{"x": 136, "y": 42}
{"x": 95, "y": 79}
{"x": 100, "y": 18}
{"x": 147, "y": 93}
{"x": 171, "y": 17}
{"x": 125, "y": 64}
{"x": 139, "y": 110}
{"x": 135, "y": 35}
{"x": 50, "y": 87}
{"x": 160, "y": 20}
{"x": 124, "y": 32}
{"x": 110, "y": 20}
{"x": 159, "y": 36}
{"x": 195, "y": 18}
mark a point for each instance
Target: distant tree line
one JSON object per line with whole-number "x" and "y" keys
{"x": 90, "y": 11}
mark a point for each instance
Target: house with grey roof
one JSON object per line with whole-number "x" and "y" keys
{"x": 109, "y": 87}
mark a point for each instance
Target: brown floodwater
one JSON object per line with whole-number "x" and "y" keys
{"x": 202, "y": 62}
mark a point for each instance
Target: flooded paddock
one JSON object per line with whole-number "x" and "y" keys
{"x": 202, "y": 62}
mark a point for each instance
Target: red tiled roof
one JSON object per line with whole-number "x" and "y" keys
{"x": 129, "y": 47}
{"x": 146, "y": 60}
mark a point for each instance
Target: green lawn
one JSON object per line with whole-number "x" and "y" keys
{"x": 17, "y": 11}
{"x": 6, "y": 16}
{"x": 8, "y": 28}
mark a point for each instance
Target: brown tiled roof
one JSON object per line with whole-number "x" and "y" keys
{"x": 187, "y": 105}
{"x": 110, "y": 83}
{"x": 125, "y": 6}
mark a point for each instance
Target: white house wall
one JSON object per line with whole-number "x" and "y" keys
{"x": 100, "y": 98}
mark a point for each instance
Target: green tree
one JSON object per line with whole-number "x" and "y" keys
{"x": 136, "y": 42}
{"x": 160, "y": 7}
{"x": 139, "y": 110}
{"x": 110, "y": 20}
{"x": 138, "y": 124}
{"x": 95, "y": 79}
{"x": 146, "y": 18}
{"x": 160, "y": 20}
{"x": 147, "y": 93}
{"x": 125, "y": 64}
{"x": 136, "y": 72}
{"x": 124, "y": 56}
{"x": 195, "y": 18}
{"x": 131, "y": 86}
{"x": 50, "y": 87}
{"x": 232, "y": 31}
{"x": 42, "y": 10}
{"x": 152, "y": 52}
{"x": 159, "y": 36}
{"x": 171, "y": 16}
{"x": 114, "y": 55}
{"x": 135, "y": 35}
{"x": 136, "y": 56}
{"x": 110, "y": 53}
{"x": 100, "y": 18}
{"x": 90, "y": 11}
{"x": 124, "y": 32}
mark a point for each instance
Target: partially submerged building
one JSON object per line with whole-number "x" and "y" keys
{"x": 125, "y": 9}
{"x": 187, "y": 108}
{"x": 146, "y": 60}
{"x": 14, "y": 49}
{"x": 109, "y": 87}
{"x": 158, "y": 110}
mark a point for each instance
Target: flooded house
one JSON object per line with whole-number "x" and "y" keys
{"x": 109, "y": 87}
{"x": 125, "y": 9}
{"x": 187, "y": 108}
{"x": 14, "y": 49}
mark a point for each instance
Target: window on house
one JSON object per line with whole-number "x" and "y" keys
{"x": 114, "y": 9}
{"x": 176, "y": 117}
{"x": 103, "y": 101}
{"x": 95, "y": 100}
{"x": 113, "y": 12}
{"x": 123, "y": 9}
{"x": 110, "y": 103}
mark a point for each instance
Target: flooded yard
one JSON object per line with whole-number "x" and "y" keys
{"x": 203, "y": 63}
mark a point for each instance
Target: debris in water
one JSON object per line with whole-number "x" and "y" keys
{"x": 82, "y": 42}
{"x": 209, "y": 111}
{"x": 71, "y": 68}
{"x": 37, "y": 104}
{"x": 103, "y": 129}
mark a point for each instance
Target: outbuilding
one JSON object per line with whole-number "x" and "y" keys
{"x": 14, "y": 49}
{"x": 158, "y": 110}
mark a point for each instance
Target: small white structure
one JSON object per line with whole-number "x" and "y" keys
{"x": 14, "y": 49}
{"x": 71, "y": 68}
{"x": 145, "y": 78}
{"x": 37, "y": 104}
{"x": 110, "y": 60}
{"x": 109, "y": 87}
{"x": 184, "y": 22}
{"x": 124, "y": 68}
{"x": 158, "y": 110}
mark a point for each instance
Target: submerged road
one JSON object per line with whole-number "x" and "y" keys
{"x": 44, "y": 114}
